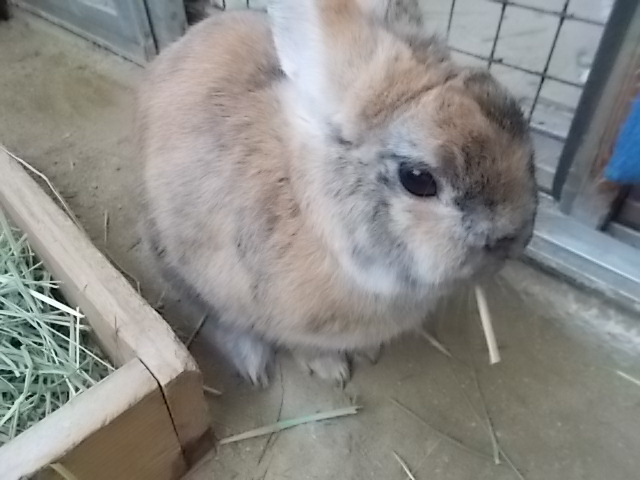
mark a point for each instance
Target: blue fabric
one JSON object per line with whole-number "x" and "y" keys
{"x": 624, "y": 166}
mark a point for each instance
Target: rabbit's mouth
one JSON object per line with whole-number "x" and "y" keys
{"x": 487, "y": 261}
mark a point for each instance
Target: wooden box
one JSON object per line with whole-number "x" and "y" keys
{"x": 148, "y": 419}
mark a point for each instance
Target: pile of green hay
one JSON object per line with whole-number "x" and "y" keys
{"x": 46, "y": 354}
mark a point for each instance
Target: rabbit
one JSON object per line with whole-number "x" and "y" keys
{"x": 318, "y": 176}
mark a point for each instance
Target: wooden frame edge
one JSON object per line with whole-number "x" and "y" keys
{"x": 124, "y": 323}
{"x": 84, "y": 416}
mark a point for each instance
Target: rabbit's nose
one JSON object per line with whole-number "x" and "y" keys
{"x": 501, "y": 246}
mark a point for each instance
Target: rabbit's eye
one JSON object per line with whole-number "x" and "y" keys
{"x": 417, "y": 180}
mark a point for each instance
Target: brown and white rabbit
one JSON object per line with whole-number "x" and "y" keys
{"x": 318, "y": 176}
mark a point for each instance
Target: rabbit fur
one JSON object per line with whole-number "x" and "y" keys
{"x": 272, "y": 144}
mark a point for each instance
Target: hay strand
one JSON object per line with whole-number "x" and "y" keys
{"x": 106, "y": 227}
{"x": 628, "y": 377}
{"x": 404, "y": 466}
{"x": 56, "y": 304}
{"x": 195, "y": 332}
{"x": 63, "y": 471}
{"x": 211, "y": 391}
{"x": 487, "y": 325}
{"x": 286, "y": 424}
{"x": 46, "y": 180}
{"x": 436, "y": 344}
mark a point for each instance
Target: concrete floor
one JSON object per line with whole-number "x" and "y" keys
{"x": 557, "y": 403}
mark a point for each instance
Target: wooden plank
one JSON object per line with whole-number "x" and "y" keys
{"x": 120, "y": 429}
{"x": 190, "y": 415}
{"x": 126, "y": 326}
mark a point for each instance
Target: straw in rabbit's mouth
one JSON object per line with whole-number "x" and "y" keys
{"x": 487, "y": 325}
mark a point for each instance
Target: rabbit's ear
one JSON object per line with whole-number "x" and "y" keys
{"x": 325, "y": 45}
{"x": 297, "y": 32}
{"x": 400, "y": 13}
{"x": 312, "y": 38}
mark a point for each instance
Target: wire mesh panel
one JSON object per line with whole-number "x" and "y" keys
{"x": 541, "y": 49}
{"x": 238, "y": 4}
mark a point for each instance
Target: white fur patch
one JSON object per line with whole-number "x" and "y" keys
{"x": 375, "y": 278}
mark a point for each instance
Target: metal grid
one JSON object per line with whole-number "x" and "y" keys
{"x": 244, "y": 3}
{"x": 563, "y": 15}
